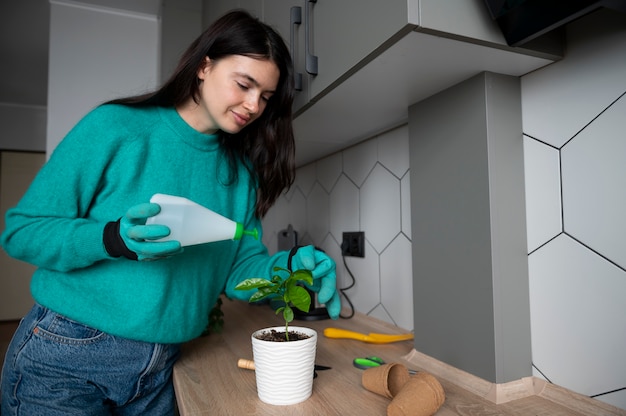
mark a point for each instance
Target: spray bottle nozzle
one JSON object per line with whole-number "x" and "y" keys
{"x": 240, "y": 232}
{"x": 253, "y": 233}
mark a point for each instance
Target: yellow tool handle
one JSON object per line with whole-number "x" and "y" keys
{"x": 245, "y": 364}
{"x": 344, "y": 333}
{"x": 371, "y": 337}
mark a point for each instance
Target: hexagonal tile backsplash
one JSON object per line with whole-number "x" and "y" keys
{"x": 355, "y": 191}
{"x": 574, "y": 121}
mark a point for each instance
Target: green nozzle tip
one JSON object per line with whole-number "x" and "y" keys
{"x": 254, "y": 233}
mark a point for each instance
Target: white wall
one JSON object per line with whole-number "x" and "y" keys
{"x": 574, "y": 119}
{"x": 97, "y": 53}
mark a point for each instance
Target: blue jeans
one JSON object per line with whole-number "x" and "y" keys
{"x": 56, "y": 366}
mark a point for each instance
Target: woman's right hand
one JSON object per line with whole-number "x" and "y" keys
{"x": 132, "y": 238}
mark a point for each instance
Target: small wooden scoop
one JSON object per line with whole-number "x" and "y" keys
{"x": 372, "y": 338}
{"x": 249, "y": 365}
{"x": 245, "y": 364}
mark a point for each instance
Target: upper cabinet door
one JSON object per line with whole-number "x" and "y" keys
{"x": 214, "y": 9}
{"x": 344, "y": 33}
{"x": 287, "y": 17}
{"x": 255, "y": 7}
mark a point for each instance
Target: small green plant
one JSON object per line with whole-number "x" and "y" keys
{"x": 285, "y": 288}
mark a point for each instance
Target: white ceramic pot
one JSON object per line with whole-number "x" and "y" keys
{"x": 284, "y": 370}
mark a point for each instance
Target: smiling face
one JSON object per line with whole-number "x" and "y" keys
{"x": 233, "y": 93}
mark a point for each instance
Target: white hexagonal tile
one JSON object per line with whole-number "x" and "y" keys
{"x": 318, "y": 209}
{"x": 305, "y": 178}
{"x": 396, "y": 281}
{"x": 358, "y": 161}
{"x": 269, "y": 228}
{"x": 594, "y": 184}
{"x": 295, "y": 213}
{"x": 328, "y": 171}
{"x": 344, "y": 208}
{"x": 380, "y": 208}
{"x": 379, "y": 312}
{"x": 575, "y": 297}
{"x": 271, "y": 242}
{"x": 276, "y": 219}
{"x": 577, "y": 88}
{"x": 617, "y": 399}
{"x": 304, "y": 239}
{"x": 405, "y": 204}
{"x": 393, "y": 150}
{"x": 543, "y": 192}
{"x": 288, "y": 194}
{"x": 365, "y": 294}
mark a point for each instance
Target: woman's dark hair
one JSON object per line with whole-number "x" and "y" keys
{"x": 266, "y": 146}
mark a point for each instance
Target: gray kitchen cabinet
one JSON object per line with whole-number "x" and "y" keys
{"x": 287, "y": 17}
{"x": 253, "y": 6}
{"x": 347, "y": 34}
{"x": 213, "y": 9}
{"x": 376, "y": 58}
{"x": 343, "y": 33}
{"x": 279, "y": 15}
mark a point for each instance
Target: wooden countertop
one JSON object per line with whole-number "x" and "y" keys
{"x": 208, "y": 381}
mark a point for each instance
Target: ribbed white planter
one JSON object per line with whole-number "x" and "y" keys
{"x": 284, "y": 370}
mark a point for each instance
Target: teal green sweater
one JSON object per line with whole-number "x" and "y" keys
{"x": 114, "y": 158}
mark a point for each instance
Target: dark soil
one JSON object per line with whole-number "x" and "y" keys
{"x": 279, "y": 336}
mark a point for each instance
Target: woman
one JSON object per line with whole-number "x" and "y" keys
{"x": 106, "y": 327}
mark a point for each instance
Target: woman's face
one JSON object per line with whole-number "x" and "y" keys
{"x": 234, "y": 92}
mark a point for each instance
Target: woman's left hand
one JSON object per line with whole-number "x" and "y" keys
{"x": 324, "y": 276}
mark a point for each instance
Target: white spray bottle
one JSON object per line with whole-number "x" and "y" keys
{"x": 191, "y": 223}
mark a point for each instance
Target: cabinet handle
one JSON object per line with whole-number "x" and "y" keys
{"x": 296, "y": 19}
{"x": 311, "y": 60}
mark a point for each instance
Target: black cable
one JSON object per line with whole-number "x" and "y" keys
{"x": 343, "y": 290}
{"x": 592, "y": 396}
{"x": 607, "y": 392}
{"x": 541, "y": 372}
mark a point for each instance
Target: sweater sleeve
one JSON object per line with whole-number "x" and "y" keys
{"x": 259, "y": 265}
{"x": 52, "y": 225}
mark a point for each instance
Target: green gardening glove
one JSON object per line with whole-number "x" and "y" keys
{"x": 132, "y": 238}
{"x": 322, "y": 268}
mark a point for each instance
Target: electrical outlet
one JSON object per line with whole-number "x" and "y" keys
{"x": 353, "y": 244}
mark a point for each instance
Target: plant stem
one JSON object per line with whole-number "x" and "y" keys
{"x": 286, "y": 325}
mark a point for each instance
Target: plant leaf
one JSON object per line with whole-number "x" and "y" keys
{"x": 253, "y": 283}
{"x": 289, "y": 283}
{"x": 304, "y": 275}
{"x": 300, "y": 298}
{"x": 262, "y": 293}
{"x": 288, "y": 314}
